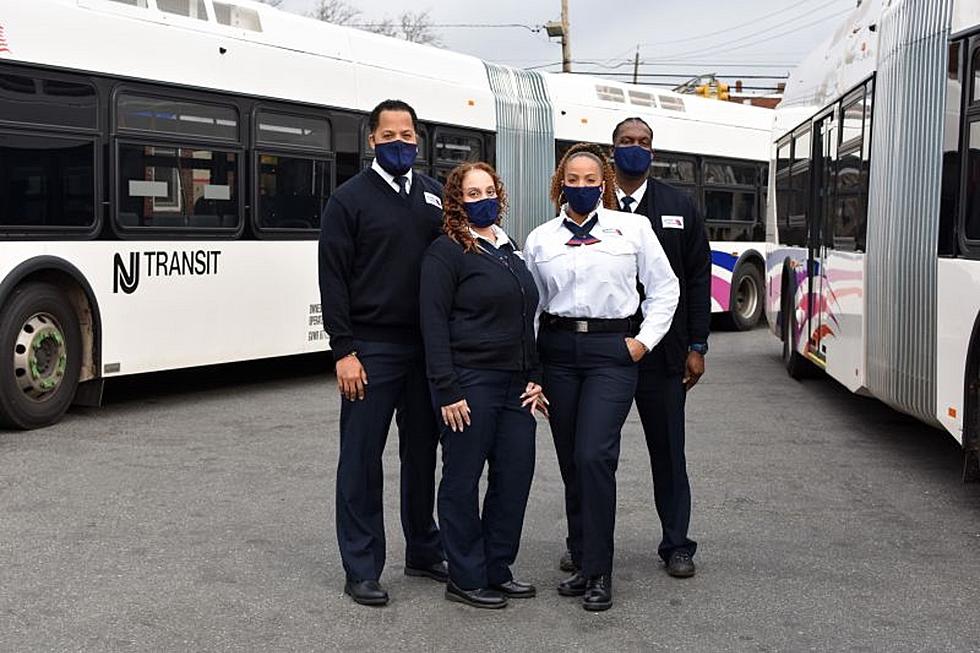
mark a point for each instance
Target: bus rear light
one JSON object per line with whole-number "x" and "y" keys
{"x": 951, "y": 412}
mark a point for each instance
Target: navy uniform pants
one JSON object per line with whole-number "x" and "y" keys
{"x": 396, "y": 385}
{"x": 660, "y": 399}
{"x": 480, "y": 551}
{"x": 590, "y": 380}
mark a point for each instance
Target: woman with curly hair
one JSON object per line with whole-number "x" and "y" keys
{"x": 586, "y": 263}
{"x": 478, "y": 304}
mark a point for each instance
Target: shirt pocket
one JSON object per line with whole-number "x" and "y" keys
{"x": 614, "y": 246}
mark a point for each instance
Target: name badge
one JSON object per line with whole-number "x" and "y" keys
{"x": 433, "y": 199}
{"x": 612, "y": 231}
{"x": 672, "y": 221}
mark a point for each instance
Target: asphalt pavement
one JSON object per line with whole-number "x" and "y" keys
{"x": 194, "y": 511}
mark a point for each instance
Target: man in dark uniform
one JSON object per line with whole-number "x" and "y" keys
{"x": 675, "y": 365}
{"x": 374, "y": 231}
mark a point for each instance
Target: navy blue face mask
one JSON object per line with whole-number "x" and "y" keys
{"x": 396, "y": 157}
{"x": 633, "y": 160}
{"x": 583, "y": 199}
{"x": 483, "y": 213}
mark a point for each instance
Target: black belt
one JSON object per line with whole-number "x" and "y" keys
{"x": 587, "y": 324}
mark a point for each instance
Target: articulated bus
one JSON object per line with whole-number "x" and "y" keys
{"x": 164, "y": 163}
{"x": 874, "y": 274}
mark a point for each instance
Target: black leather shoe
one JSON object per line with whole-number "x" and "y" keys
{"x": 366, "y": 592}
{"x": 598, "y": 595}
{"x": 574, "y": 585}
{"x": 478, "y": 598}
{"x": 680, "y": 565}
{"x": 437, "y": 572}
{"x": 566, "y": 563}
{"x": 515, "y": 589}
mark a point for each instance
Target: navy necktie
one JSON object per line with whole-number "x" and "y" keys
{"x": 581, "y": 235}
{"x": 402, "y": 182}
{"x": 626, "y": 202}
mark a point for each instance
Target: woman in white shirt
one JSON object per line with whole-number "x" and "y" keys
{"x": 586, "y": 263}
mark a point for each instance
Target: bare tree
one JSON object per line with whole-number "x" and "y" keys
{"x": 274, "y": 3}
{"x": 417, "y": 28}
{"x": 337, "y": 12}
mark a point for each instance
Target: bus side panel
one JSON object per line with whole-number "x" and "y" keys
{"x": 958, "y": 304}
{"x": 725, "y": 257}
{"x": 168, "y": 305}
{"x": 841, "y": 334}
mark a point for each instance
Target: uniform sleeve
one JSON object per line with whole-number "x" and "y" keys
{"x": 435, "y": 305}
{"x": 336, "y": 255}
{"x": 697, "y": 270}
{"x": 661, "y": 287}
{"x": 529, "y": 251}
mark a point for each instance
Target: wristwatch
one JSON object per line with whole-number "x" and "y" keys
{"x": 699, "y": 347}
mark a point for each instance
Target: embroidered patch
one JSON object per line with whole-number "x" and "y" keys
{"x": 433, "y": 199}
{"x": 672, "y": 221}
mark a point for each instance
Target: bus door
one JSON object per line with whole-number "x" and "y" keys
{"x": 822, "y": 205}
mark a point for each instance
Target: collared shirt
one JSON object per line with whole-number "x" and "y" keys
{"x": 500, "y": 237}
{"x": 390, "y": 178}
{"x": 599, "y": 281}
{"x": 637, "y": 196}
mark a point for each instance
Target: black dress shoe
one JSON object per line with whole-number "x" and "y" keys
{"x": 574, "y": 585}
{"x": 437, "y": 572}
{"x": 680, "y": 565}
{"x": 515, "y": 589}
{"x": 478, "y": 598}
{"x": 566, "y": 563}
{"x": 598, "y": 594}
{"x": 366, "y": 592}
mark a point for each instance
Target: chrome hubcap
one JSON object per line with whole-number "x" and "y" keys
{"x": 40, "y": 356}
{"x": 746, "y": 297}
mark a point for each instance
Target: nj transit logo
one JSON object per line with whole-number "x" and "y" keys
{"x": 126, "y": 278}
{"x": 161, "y": 264}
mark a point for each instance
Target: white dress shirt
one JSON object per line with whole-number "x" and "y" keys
{"x": 390, "y": 178}
{"x": 637, "y": 196}
{"x": 599, "y": 280}
{"x": 500, "y": 237}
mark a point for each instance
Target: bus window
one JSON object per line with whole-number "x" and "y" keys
{"x": 731, "y": 199}
{"x": 177, "y": 187}
{"x": 853, "y": 121}
{"x": 283, "y": 130}
{"x": 178, "y": 117}
{"x": 44, "y": 101}
{"x": 971, "y": 227}
{"x": 949, "y": 193}
{"x": 730, "y": 174}
{"x": 783, "y": 156}
{"x": 452, "y": 148}
{"x": 849, "y": 219}
{"x": 189, "y": 8}
{"x": 292, "y": 192}
{"x": 236, "y": 16}
{"x": 46, "y": 182}
{"x": 134, "y": 3}
{"x": 673, "y": 170}
{"x": 975, "y": 67}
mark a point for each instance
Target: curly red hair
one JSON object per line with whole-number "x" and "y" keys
{"x": 601, "y": 157}
{"x": 455, "y": 222}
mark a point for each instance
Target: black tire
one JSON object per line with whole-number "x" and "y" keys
{"x": 40, "y": 356}
{"x": 796, "y": 365}
{"x": 747, "y": 297}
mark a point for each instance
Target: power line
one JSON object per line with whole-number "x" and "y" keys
{"x": 532, "y": 28}
{"x": 734, "y": 45}
{"x": 735, "y": 28}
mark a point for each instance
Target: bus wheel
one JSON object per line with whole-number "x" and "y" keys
{"x": 746, "y": 301}
{"x": 797, "y": 366}
{"x": 40, "y": 356}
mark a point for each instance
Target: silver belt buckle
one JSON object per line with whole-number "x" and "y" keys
{"x": 581, "y": 326}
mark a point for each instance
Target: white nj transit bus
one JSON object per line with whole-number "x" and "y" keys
{"x": 163, "y": 165}
{"x": 874, "y": 275}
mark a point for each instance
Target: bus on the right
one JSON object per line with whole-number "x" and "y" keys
{"x": 873, "y": 270}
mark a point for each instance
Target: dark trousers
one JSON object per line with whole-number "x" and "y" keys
{"x": 501, "y": 435}
{"x": 590, "y": 380}
{"x": 396, "y": 385}
{"x": 660, "y": 401}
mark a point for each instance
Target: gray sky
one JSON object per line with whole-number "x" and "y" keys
{"x": 679, "y": 37}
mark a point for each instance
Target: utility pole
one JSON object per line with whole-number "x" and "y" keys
{"x": 636, "y": 66}
{"x": 566, "y": 45}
